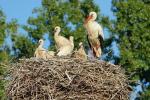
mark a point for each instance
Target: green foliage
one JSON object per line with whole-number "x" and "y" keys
{"x": 3, "y": 53}
{"x": 132, "y": 26}
{"x": 2, "y": 27}
{"x": 23, "y": 47}
{"x": 3, "y": 70}
{"x": 145, "y": 95}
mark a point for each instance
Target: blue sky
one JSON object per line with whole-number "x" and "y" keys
{"x": 19, "y": 9}
{"x": 22, "y": 9}
{"x": 105, "y": 7}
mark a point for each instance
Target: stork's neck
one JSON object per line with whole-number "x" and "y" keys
{"x": 89, "y": 22}
{"x": 72, "y": 43}
{"x": 41, "y": 45}
{"x": 56, "y": 33}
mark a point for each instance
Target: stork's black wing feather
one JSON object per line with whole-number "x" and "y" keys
{"x": 88, "y": 41}
{"x": 101, "y": 40}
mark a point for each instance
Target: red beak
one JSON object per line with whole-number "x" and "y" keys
{"x": 87, "y": 19}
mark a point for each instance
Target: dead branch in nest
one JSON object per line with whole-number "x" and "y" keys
{"x": 67, "y": 79}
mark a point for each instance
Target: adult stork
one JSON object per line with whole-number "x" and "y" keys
{"x": 94, "y": 34}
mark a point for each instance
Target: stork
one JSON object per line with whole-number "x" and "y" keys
{"x": 94, "y": 34}
{"x": 40, "y": 52}
{"x": 80, "y": 53}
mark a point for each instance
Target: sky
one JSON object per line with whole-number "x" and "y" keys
{"x": 105, "y": 7}
{"x": 22, "y": 9}
{"x": 19, "y": 9}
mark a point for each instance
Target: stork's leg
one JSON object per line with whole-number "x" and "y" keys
{"x": 99, "y": 51}
{"x": 96, "y": 52}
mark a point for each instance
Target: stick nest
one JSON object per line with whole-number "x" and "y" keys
{"x": 67, "y": 79}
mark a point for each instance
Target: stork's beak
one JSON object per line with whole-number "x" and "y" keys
{"x": 87, "y": 19}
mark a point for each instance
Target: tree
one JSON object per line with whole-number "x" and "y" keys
{"x": 145, "y": 95}
{"x": 23, "y": 47}
{"x": 3, "y": 52}
{"x": 5, "y": 30}
{"x": 132, "y": 26}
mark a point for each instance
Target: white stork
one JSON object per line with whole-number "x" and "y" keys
{"x": 94, "y": 34}
{"x": 40, "y": 52}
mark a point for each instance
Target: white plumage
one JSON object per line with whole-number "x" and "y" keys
{"x": 50, "y": 54}
{"x": 94, "y": 34}
{"x": 67, "y": 49}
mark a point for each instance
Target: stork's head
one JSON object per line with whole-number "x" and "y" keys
{"x": 57, "y": 29}
{"x": 91, "y": 17}
{"x": 80, "y": 44}
{"x": 41, "y": 42}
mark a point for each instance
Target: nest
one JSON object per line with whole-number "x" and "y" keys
{"x": 67, "y": 79}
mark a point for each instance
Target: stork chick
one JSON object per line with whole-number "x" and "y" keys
{"x": 40, "y": 52}
{"x": 80, "y": 53}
